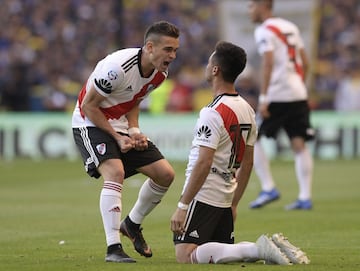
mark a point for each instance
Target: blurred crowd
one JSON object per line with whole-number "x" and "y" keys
{"x": 337, "y": 72}
{"x": 48, "y": 49}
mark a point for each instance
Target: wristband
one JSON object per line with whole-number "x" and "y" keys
{"x": 262, "y": 98}
{"x": 183, "y": 206}
{"x": 133, "y": 131}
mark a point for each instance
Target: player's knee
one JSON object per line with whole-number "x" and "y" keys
{"x": 298, "y": 144}
{"x": 112, "y": 171}
{"x": 168, "y": 177}
{"x": 118, "y": 175}
{"x": 182, "y": 257}
{"x": 114, "y": 176}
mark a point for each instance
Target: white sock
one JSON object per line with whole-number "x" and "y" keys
{"x": 150, "y": 195}
{"x": 304, "y": 170}
{"x": 214, "y": 252}
{"x": 110, "y": 208}
{"x": 262, "y": 168}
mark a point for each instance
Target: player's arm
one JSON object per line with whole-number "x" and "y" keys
{"x": 242, "y": 176}
{"x": 305, "y": 62}
{"x": 91, "y": 108}
{"x": 134, "y": 130}
{"x": 198, "y": 174}
{"x": 133, "y": 117}
{"x": 196, "y": 180}
{"x": 267, "y": 62}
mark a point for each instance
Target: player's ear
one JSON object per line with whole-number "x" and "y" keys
{"x": 215, "y": 70}
{"x": 149, "y": 45}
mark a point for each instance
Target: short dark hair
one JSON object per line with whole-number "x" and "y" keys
{"x": 161, "y": 28}
{"x": 231, "y": 60}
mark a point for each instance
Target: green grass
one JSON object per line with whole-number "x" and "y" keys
{"x": 44, "y": 202}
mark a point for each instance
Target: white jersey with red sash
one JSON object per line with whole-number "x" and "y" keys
{"x": 282, "y": 37}
{"x": 226, "y": 125}
{"x": 118, "y": 78}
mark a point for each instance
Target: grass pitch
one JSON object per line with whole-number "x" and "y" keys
{"x": 43, "y": 203}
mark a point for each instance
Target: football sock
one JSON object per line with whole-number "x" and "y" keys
{"x": 304, "y": 170}
{"x": 262, "y": 168}
{"x": 214, "y": 252}
{"x": 150, "y": 195}
{"x": 110, "y": 208}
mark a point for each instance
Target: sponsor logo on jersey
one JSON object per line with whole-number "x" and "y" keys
{"x": 227, "y": 176}
{"x": 129, "y": 88}
{"x": 104, "y": 85}
{"x": 204, "y": 131}
{"x": 112, "y": 75}
{"x": 101, "y": 148}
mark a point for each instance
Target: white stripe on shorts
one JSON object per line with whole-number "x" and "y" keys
{"x": 85, "y": 137}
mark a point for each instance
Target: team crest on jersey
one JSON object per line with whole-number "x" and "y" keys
{"x": 112, "y": 75}
{"x": 101, "y": 148}
{"x": 204, "y": 131}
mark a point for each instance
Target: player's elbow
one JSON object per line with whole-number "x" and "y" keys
{"x": 86, "y": 108}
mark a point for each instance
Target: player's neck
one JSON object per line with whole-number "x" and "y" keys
{"x": 223, "y": 88}
{"x": 266, "y": 15}
{"x": 146, "y": 66}
{"x": 147, "y": 69}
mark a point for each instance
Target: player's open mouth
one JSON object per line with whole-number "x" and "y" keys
{"x": 166, "y": 63}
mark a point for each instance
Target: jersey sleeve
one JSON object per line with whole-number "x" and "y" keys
{"x": 208, "y": 128}
{"x": 264, "y": 40}
{"x": 300, "y": 41}
{"x": 107, "y": 78}
{"x": 252, "y": 136}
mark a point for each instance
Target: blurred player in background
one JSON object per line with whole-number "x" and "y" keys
{"x": 282, "y": 101}
{"x": 106, "y": 131}
{"x": 218, "y": 171}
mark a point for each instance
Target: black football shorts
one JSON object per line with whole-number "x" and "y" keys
{"x": 293, "y": 117}
{"x": 96, "y": 146}
{"x": 205, "y": 223}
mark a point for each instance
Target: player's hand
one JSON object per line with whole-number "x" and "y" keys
{"x": 126, "y": 143}
{"x": 263, "y": 110}
{"x": 178, "y": 221}
{"x": 141, "y": 142}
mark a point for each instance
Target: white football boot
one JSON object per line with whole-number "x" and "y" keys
{"x": 269, "y": 252}
{"x": 295, "y": 254}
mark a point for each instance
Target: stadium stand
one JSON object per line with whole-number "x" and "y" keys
{"x": 47, "y": 49}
